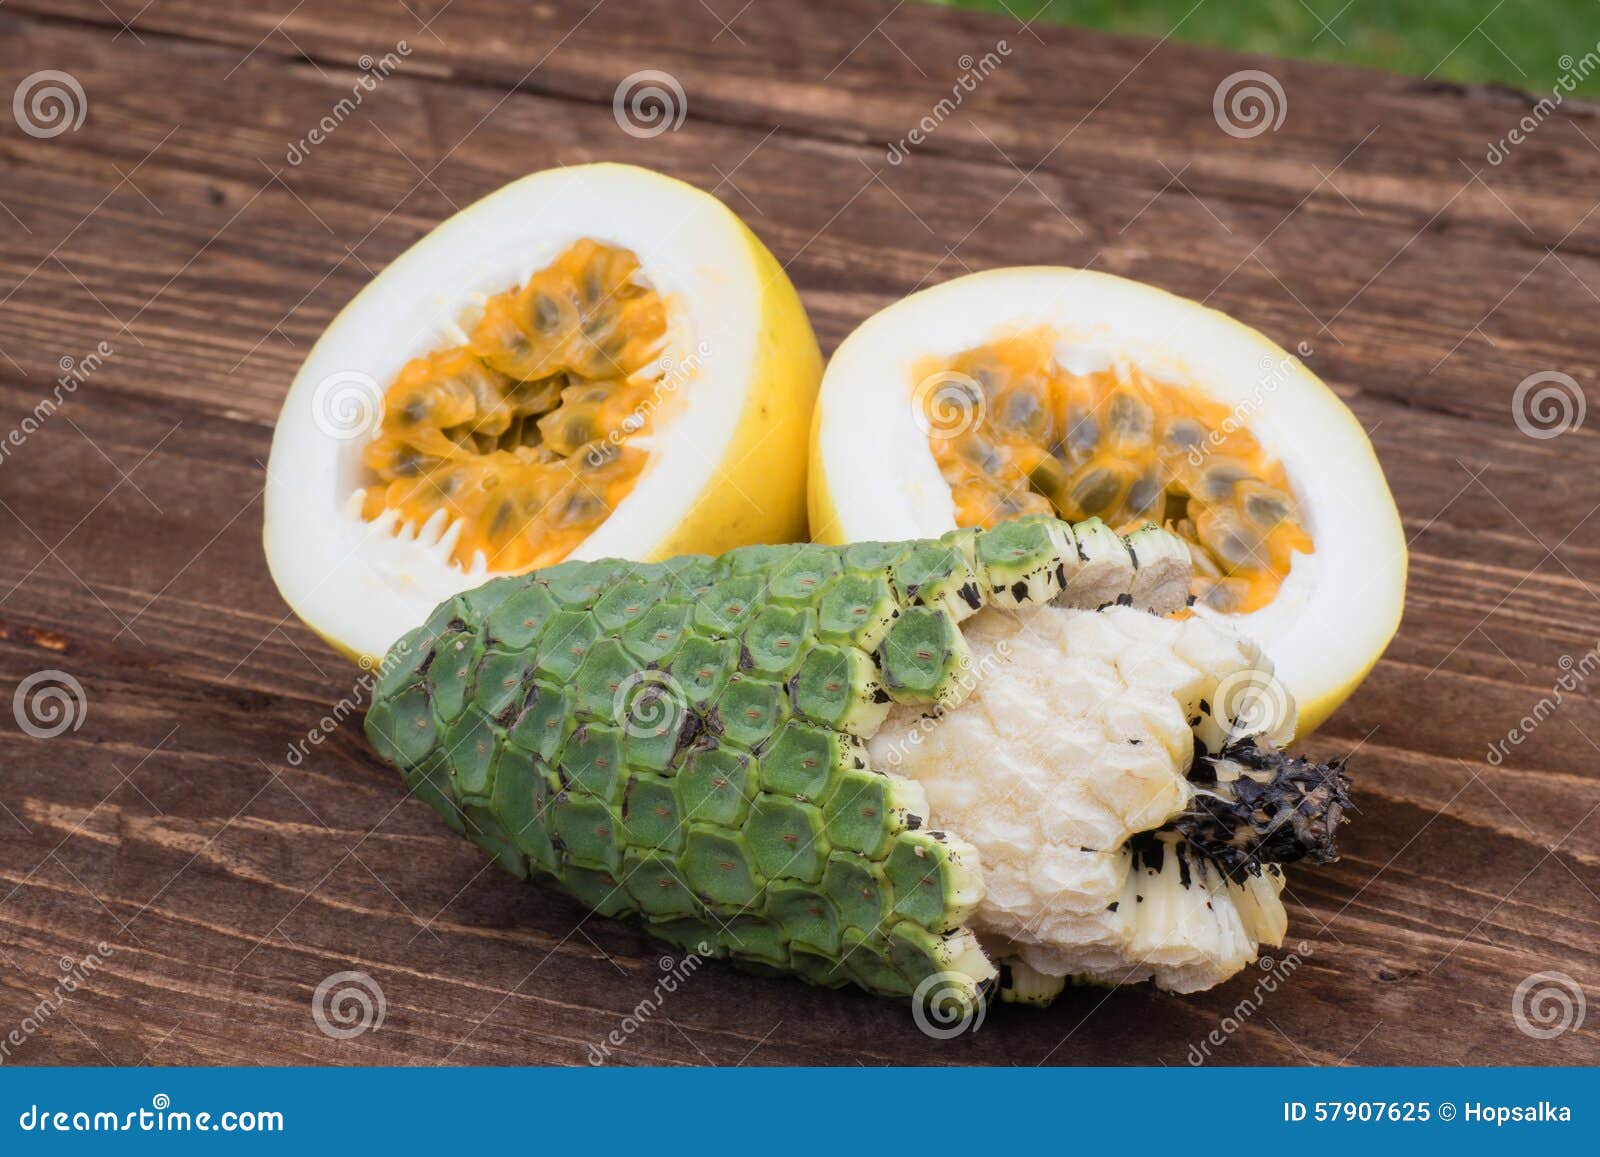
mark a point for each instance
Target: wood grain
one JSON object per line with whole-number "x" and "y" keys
{"x": 228, "y": 882}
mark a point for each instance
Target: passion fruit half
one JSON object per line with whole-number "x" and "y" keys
{"x": 595, "y": 361}
{"x": 1080, "y": 394}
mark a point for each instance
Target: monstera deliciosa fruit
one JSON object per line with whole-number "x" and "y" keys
{"x": 1009, "y": 752}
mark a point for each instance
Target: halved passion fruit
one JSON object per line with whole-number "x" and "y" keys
{"x": 1084, "y": 395}
{"x": 596, "y": 361}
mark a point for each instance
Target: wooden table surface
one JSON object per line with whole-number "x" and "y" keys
{"x": 227, "y": 883}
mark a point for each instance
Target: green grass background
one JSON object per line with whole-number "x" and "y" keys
{"x": 1520, "y": 43}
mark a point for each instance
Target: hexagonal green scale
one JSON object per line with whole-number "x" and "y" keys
{"x": 872, "y": 557}
{"x": 651, "y": 816}
{"x": 935, "y": 880}
{"x": 450, "y": 615}
{"x": 799, "y": 577}
{"x": 935, "y": 575}
{"x": 403, "y": 729}
{"x": 450, "y": 674}
{"x": 924, "y": 659}
{"x": 587, "y": 829}
{"x": 599, "y": 682}
{"x": 692, "y": 937}
{"x": 502, "y": 680}
{"x": 566, "y": 640}
{"x": 817, "y": 968}
{"x": 480, "y": 602}
{"x": 787, "y": 837}
{"x": 749, "y": 709}
{"x": 761, "y": 560}
{"x": 1024, "y": 561}
{"x": 655, "y": 635}
{"x": 838, "y": 687}
{"x": 628, "y": 598}
{"x": 859, "y": 889}
{"x": 402, "y": 665}
{"x": 864, "y": 956}
{"x": 545, "y": 720}
{"x": 520, "y": 619}
{"x": 702, "y": 666}
{"x": 918, "y": 954}
{"x": 590, "y": 761}
{"x": 689, "y": 576}
{"x": 474, "y": 745}
{"x": 724, "y": 609}
{"x": 715, "y": 785}
{"x": 805, "y": 916}
{"x": 802, "y": 760}
{"x": 484, "y": 829}
{"x": 521, "y": 798}
{"x": 776, "y": 639}
{"x": 856, "y": 610}
{"x": 650, "y": 734}
{"x": 580, "y": 584}
{"x": 657, "y": 885}
{"x": 754, "y": 939}
{"x": 867, "y": 810}
{"x": 720, "y": 867}
{"x": 429, "y": 781}
{"x": 600, "y": 891}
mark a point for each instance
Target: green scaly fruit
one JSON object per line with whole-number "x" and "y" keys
{"x": 685, "y": 741}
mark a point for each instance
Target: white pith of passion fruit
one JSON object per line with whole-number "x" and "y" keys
{"x": 724, "y": 429}
{"x": 875, "y": 474}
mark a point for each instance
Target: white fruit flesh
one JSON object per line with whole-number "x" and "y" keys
{"x": 1077, "y": 735}
{"x": 874, "y": 475}
{"x": 740, "y": 357}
